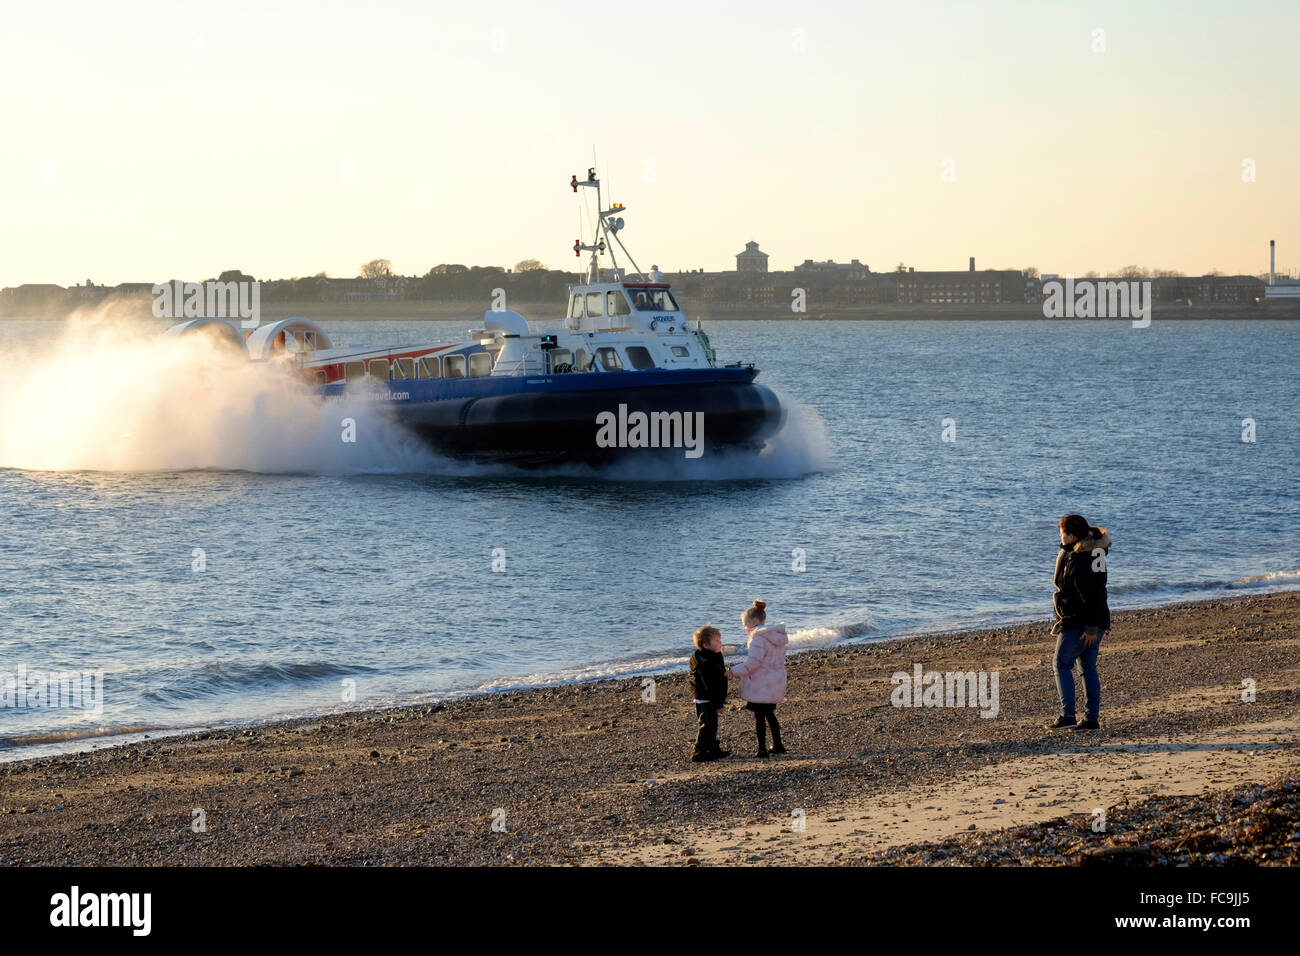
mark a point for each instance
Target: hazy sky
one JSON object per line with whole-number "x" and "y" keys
{"x": 150, "y": 140}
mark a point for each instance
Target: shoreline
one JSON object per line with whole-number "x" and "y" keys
{"x": 471, "y": 310}
{"x": 99, "y": 739}
{"x": 593, "y": 773}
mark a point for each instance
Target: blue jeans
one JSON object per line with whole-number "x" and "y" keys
{"x": 1069, "y": 648}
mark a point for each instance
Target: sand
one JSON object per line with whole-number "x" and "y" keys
{"x": 594, "y": 774}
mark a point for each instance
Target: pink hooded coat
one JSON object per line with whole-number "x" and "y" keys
{"x": 762, "y": 672}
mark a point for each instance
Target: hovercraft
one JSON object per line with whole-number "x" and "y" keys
{"x": 621, "y": 374}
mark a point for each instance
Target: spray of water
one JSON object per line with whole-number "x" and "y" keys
{"x": 112, "y": 394}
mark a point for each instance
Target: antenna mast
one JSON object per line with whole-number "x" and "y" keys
{"x": 608, "y": 223}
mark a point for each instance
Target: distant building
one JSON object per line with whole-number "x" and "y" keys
{"x": 367, "y": 290}
{"x": 961, "y": 288}
{"x": 823, "y": 287}
{"x": 33, "y": 295}
{"x": 1279, "y": 288}
{"x": 1201, "y": 289}
{"x": 1287, "y": 289}
{"x": 87, "y": 293}
{"x": 133, "y": 289}
{"x": 841, "y": 270}
{"x": 752, "y": 259}
{"x": 1185, "y": 290}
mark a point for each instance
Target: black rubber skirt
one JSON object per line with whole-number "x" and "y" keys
{"x": 540, "y": 426}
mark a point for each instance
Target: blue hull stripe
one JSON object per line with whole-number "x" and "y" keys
{"x": 436, "y": 389}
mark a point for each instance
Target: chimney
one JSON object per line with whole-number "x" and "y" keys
{"x": 972, "y": 263}
{"x": 1272, "y": 261}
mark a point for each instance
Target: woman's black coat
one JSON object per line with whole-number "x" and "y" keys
{"x": 1080, "y": 599}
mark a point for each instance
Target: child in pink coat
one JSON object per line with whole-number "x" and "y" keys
{"x": 762, "y": 674}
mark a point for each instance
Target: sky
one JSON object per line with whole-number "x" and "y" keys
{"x": 145, "y": 141}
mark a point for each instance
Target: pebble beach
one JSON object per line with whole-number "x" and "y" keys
{"x": 597, "y": 773}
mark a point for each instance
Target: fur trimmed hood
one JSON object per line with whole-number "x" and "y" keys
{"x": 1098, "y": 538}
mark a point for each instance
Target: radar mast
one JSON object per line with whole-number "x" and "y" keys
{"x": 609, "y": 222}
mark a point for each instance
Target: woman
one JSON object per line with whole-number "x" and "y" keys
{"x": 1082, "y": 617}
{"x": 762, "y": 674}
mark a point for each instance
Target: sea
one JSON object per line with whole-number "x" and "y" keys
{"x": 199, "y": 545}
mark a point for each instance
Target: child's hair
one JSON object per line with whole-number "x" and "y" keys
{"x": 706, "y": 634}
{"x": 754, "y": 615}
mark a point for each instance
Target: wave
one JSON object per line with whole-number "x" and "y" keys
{"x": 37, "y": 738}
{"x": 179, "y": 685}
{"x": 1269, "y": 581}
{"x": 1283, "y": 578}
{"x": 657, "y": 664}
{"x": 815, "y": 637}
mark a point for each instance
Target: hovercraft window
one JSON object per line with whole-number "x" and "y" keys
{"x": 609, "y": 359}
{"x": 593, "y": 304}
{"x": 582, "y": 361}
{"x": 379, "y": 370}
{"x": 575, "y": 307}
{"x": 453, "y": 366}
{"x": 617, "y": 304}
{"x": 431, "y": 367}
{"x": 354, "y": 371}
{"x": 403, "y": 368}
{"x": 681, "y": 351}
{"x": 480, "y": 364}
{"x": 561, "y": 361}
{"x": 640, "y": 358}
{"x": 654, "y": 300}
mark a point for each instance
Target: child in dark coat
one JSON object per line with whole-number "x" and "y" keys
{"x": 709, "y": 687}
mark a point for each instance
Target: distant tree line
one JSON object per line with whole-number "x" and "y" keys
{"x": 532, "y": 281}
{"x": 529, "y": 281}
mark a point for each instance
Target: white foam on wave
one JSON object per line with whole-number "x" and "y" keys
{"x": 815, "y": 637}
{"x": 612, "y": 670}
{"x": 807, "y": 639}
{"x": 1150, "y": 593}
{"x": 1281, "y": 579}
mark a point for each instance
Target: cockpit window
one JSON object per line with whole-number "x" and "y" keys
{"x": 653, "y": 300}
{"x": 618, "y": 304}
